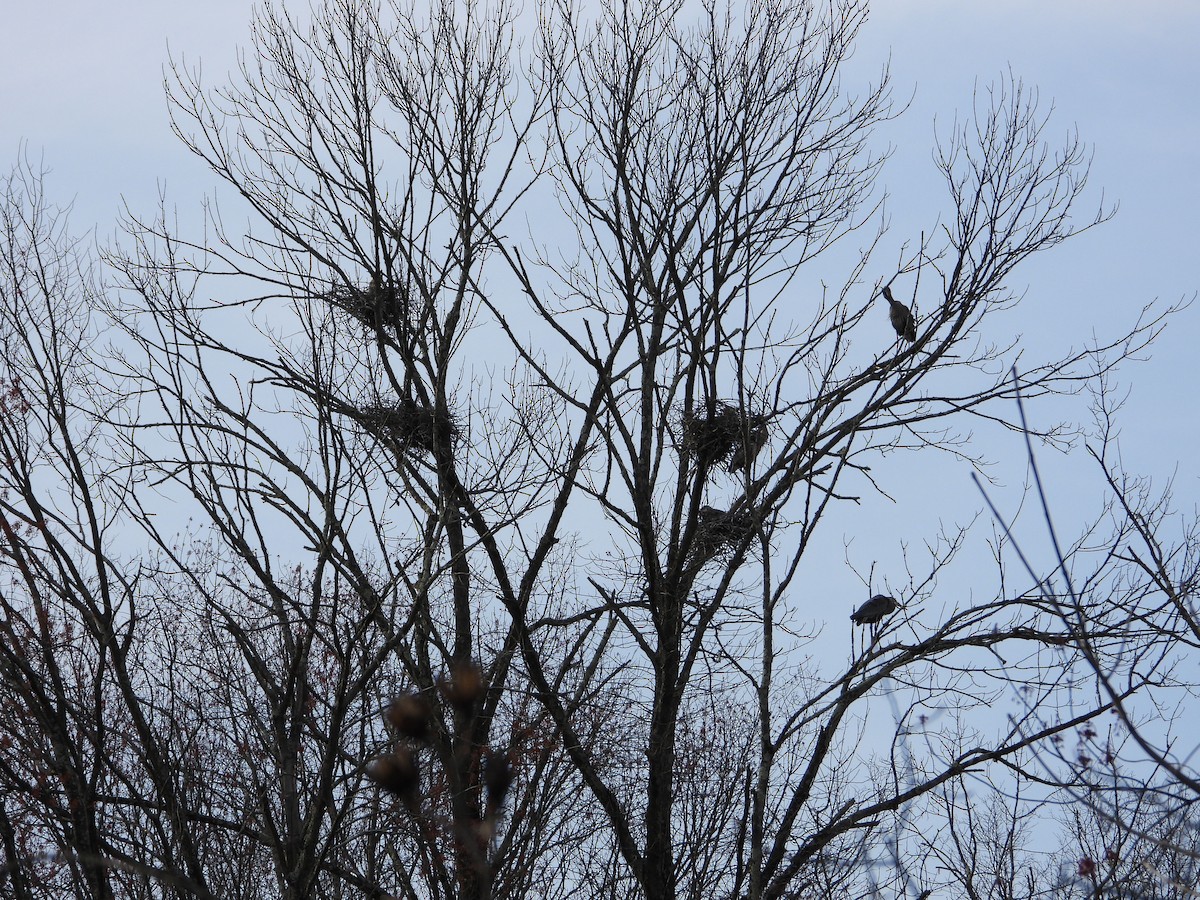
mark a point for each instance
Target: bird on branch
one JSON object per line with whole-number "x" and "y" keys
{"x": 874, "y": 610}
{"x": 902, "y": 318}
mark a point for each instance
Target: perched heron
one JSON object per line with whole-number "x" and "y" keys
{"x": 901, "y": 316}
{"x": 874, "y": 610}
{"x": 748, "y": 448}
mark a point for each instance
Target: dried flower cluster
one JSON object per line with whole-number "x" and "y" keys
{"x": 413, "y": 718}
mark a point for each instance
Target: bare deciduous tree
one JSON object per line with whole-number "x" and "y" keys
{"x": 1129, "y": 785}
{"x": 514, "y": 398}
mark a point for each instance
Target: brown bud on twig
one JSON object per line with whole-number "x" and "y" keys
{"x": 409, "y": 715}
{"x": 497, "y": 777}
{"x": 463, "y": 687}
{"x": 396, "y": 772}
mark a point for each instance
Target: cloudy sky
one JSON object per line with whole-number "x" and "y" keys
{"x": 81, "y": 87}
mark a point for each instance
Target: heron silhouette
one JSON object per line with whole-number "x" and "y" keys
{"x": 874, "y": 610}
{"x": 902, "y": 318}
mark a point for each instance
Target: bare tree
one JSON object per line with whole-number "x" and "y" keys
{"x": 552, "y": 489}
{"x": 1129, "y": 783}
{"x": 984, "y": 844}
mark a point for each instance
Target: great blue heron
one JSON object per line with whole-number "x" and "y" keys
{"x": 874, "y": 610}
{"x": 749, "y": 445}
{"x": 901, "y": 316}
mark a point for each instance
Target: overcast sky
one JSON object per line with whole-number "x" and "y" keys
{"x": 81, "y": 84}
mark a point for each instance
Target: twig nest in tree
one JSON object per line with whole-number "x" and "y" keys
{"x": 410, "y": 715}
{"x": 397, "y": 772}
{"x": 408, "y": 423}
{"x": 718, "y": 530}
{"x": 730, "y": 435}
{"x": 463, "y": 686}
{"x": 378, "y": 304}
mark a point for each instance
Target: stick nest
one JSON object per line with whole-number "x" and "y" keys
{"x": 719, "y": 531}
{"x": 375, "y": 305}
{"x": 408, "y": 423}
{"x": 730, "y": 436}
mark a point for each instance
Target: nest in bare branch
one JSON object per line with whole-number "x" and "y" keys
{"x": 408, "y": 424}
{"x": 376, "y": 305}
{"x": 730, "y": 435}
{"x": 719, "y": 531}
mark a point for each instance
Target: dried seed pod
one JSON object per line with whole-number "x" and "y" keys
{"x": 409, "y": 715}
{"x": 396, "y": 772}
{"x": 497, "y": 777}
{"x": 485, "y": 830}
{"x": 463, "y": 687}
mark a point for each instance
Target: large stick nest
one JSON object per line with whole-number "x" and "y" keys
{"x": 408, "y": 424}
{"x": 730, "y": 435}
{"x": 375, "y": 306}
{"x": 719, "y": 531}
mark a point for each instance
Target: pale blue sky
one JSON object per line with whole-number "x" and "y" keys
{"x": 81, "y": 83}
{"x": 1128, "y": 76}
